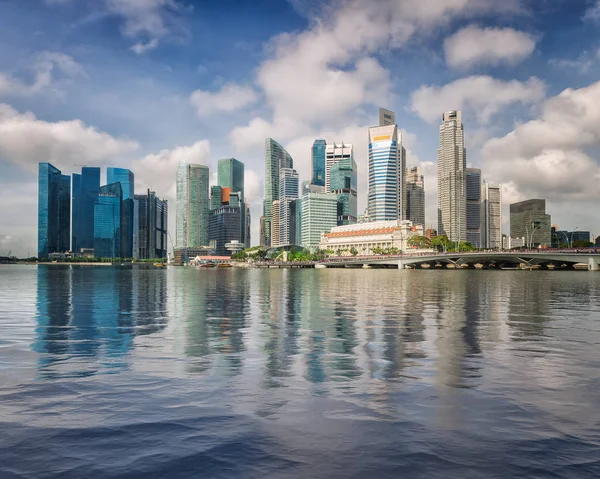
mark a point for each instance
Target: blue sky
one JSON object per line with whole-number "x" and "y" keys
{"x": 147, "y": 83}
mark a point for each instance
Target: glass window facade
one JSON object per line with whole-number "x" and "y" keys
{"x": 123, "y": 176}
{"x": 473, "y": 183}
{"x": 344, "y": 183}
{"x": 318, "y": 162}
{"x": 276, "y": 157}
{"x": 152, "y": 230}
{"x": 54, "y": 210}
{"x": 319, "y": 215}
{"x": 225, "y": 227}
{"x": 107, "y": 222}
{"x": 85, "y": 193}
{"x": 193, "y": 205}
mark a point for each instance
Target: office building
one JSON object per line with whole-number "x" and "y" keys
{"x": 387, "y": 165}
{"x": 473, "y": 202}
{"x": 319, "y": 215}
{"x": 230, "y": 174}
{"x": 108, "y": 222}
{"x": 85, "y": 193}
{"x": 415, "y": 196}
{"x": 308, "y": 187}
{"x": 262, "y": 241}
{"x": 276, "y": 157}
{"x": 318, "y": 162}
{"x": 528, "y": 219}
{"x": 452, "y": 163}
{"x": 386, "y": 117}
{"x": 288, "y": 192}
{"x": 128, "y": 214}
{"x": 193, "y": 205}
{"x": 248, "y": 225}
{"x": 54, "y": 211}
{"x": 344, "y": 184}
{"x": 275, "y": 233}
{"x": 333, "y": 154}
{"x": 296, "y": 222}
{"x": 367, "y": 238}
{"x": 123, "y": 176}
{"x": 152, "y": 226}
{"x": 225, "y": 226}
{"x": 491, "y": 216}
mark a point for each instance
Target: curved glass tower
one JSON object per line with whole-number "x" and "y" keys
{"x": 276, "y": 157}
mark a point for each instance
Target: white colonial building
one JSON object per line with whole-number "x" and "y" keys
{"x": 365, "y": 237}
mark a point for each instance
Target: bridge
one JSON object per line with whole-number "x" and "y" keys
{"x": 495, "y": 259}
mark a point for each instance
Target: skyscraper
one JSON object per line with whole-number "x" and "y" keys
{"x": 129, "y": 214}
{"x": 152, "y": 228}
{"x": 193, "y": 203}
{"x": 275, "y": 232}
{"x": 276, "y": 157}
{"x": 225, "y": 226}
{"x": 528, "y": 219}
{"x": 54, "y": 210}
{"x": 230, "y": 174}
{"x": 319, "y": 215}
{"x": 415, "y": 196}
{"x": 387, "y": 165}
{"x": 123, "y": 176}
{"x": 333, "y": 154}
{"x": 318, "y": 162}
{"x": 108, "y": 222}
{"x": 85, "y": 193}
{"x": 473, "y": 192}
{"x": 344, "y": 184}
{"x": 386, "y": 117}
{"x": 491, "y": 216}
{"x": 288, "y": 192}
{"x": 452, "y": 163}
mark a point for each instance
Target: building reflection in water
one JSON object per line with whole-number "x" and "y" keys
{"x": 87, "y": 318}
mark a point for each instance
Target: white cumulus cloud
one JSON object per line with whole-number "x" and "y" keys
{"x": 481, "y": 95}
{"x": 473, "y": 45}
{"x": 230, "y": 97}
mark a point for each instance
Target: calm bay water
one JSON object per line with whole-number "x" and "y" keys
{"x": 227, "y": 373}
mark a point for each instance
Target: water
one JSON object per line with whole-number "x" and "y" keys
{"x": 227, "y": 373}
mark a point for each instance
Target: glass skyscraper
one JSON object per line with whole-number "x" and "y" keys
{"x": 152, "y": 232}
{"x": 123, "y": 176}
{"x": 129, "y": 215}
{"x": 473, "y": 189}
{"x": 415, "y": 196}
{"x": 225, "y": 226}
{"x": 85, "y": 193}
{"x": 318, "y": 162}
{"x": 230, "y": 174}
{"x": 387, "y": 165}
{"x": 276, "y": 157}
{"x": 193, "y": 205}
{"x": 344, "y": 183}
{"x": 54, "y": 211}
{"x": 319, "y": 215}
{"x": 107, "y": 222}
{"x": 288, "y": 192}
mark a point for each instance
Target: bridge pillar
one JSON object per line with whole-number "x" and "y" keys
{"x": 366, "y": 266}
{"x": 401, "y": 265}
{"x": 594, "y": 264}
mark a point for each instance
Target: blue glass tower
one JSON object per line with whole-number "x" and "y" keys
{"x": 318, "y": 162}
{"x": 107, "y": 222}
{"x": 126, "y": 178}
{"x": 54, "y": 210}
{"x": 85, "y": 193}
{"x": 344, "y": 182}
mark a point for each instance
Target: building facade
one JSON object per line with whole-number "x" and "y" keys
{"x": 230, "y": 174}
{"x": 367, "y": 238}
{"x": 334, "y": 154}
{"x": 225, "y": 227}
{"x": 344, "y": 184}
{"x": 317, "y": 162}
{"x": 491, "y": 216}
{"x": 54, "y": 211}
{"x": 528, "y": 219}
{"x": 193, "y": 205}
{"x": 85, "y": 193}
{"x": 276, "y": 157}
{"x": 387, "y": 165}
{"x": 288, "y": 192}
{"x": 152, "y": 226}
{"x": 415, "y": 196}
{"x": 319, "y": 215}
{"x": 452, "y": 165}
{"x": 473, "y": 202}
{"x": 275, "y": 233}
{"x": 108, "y": 222}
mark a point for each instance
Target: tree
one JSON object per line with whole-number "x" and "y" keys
{"x": 353, "y": 251}
{"x": 442, "y": 243}
{"x": 419, "y": 241}
{"x": 581, "y": 244}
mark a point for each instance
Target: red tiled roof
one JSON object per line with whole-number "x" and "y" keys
{"x": 371, "y": 232}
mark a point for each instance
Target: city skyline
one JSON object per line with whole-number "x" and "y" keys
{"x": 176, "y": 99}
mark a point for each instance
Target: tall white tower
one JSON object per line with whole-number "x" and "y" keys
{"x": 452, "y": 165}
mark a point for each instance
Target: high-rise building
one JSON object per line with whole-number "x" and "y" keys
{"x": 248, "y": 225}
{"x": 528, "y": 219}
{"x": 108, "y": 222}
{"x": 333, "y": 154}
{"x": 387, "y": 170}
{"x": 491, "y": 216}
{"x": 319, "y": 215}
{"x": 230, "y": 174}
{"x": 473, "y": 192}
{"x": 386, "y": 117}
{"x": 296, "y": 222}
{"x": 128, "y": 214}
{"x": 225, "y": 227}
{"x": 288, "y": 192}
{"x": 54, "y": 211}
{"x": 344, "y": 184}
{"x": 152, "y": 226}
{"x": 276, "y": 157}
{"x": 262, "y": 241}
{"x": 318, "y": 162}
{"x": 452, "y": 163}
{"x": 275, "y": 233}
{"x": 193, "y": 205}
{"x": 85, "y": 193}
{"x": 415, "y": 196}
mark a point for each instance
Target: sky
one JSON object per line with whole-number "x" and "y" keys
{"x": 145, "y": 84}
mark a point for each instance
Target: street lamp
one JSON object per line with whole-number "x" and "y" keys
{"x": 572, "y": 233}
{"x": 536, "y": 225}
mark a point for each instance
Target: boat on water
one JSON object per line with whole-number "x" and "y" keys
{"x": 160, "y": 265}
{"x": 224, "y": 265}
